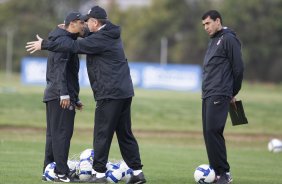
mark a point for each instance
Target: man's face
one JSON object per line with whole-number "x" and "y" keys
{"x": 93, "y": 24}
{"x": 211, "y": 26}
{"x": 77, "y": 26}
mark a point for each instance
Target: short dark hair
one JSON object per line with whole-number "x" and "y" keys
{"x": 102, "y": 21}
{"x": 213, "y": 14}
{"x": 68, "y": 24}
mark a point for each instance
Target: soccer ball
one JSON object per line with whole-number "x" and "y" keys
{"x": 204, "y": 174}
{"x": 275, "y": 145}
{"x": 126, "y": 171}
{"x": 73, "y": 165}
{"x": 114, "y": 175}
{"x": 49, "y": 171}
{"x": 126, "y": 175}
{"x": 87, "y": 154}
{"x": 112, "y": 166}
{"x": 84, "y": 171}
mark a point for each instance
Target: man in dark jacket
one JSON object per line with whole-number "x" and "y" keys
{"x": 111, "y": 83}
{"x": 61, "y": 98}
{"x": 222, "y": 79}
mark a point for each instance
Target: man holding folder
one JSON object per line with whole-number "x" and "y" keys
{"x": 222, "y": 79}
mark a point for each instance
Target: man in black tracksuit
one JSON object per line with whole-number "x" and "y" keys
{"x": 112, "y": 86}
{"x": 61, "y": 98}
{"x": 222, "y": 78}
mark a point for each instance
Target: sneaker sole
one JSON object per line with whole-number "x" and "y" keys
{"x": 140, "y": 182}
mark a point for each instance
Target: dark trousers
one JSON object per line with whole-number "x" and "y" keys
{"x": 114, "y": 116}
{"x": 214, "y": 114}
{"x": 59, "y": 131}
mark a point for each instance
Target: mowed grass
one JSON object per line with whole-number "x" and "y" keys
{"x": 167, "y": 125}
{"x": 151, "y": 109}
{"x": 166, "y": 161}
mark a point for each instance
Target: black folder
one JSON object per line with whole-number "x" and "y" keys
{"x": 237, "y": 113}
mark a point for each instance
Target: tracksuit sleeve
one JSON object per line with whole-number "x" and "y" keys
{"x": 88, "y": 45}
{"x": 63, "y": 83}
{"x": 235, "y": 56}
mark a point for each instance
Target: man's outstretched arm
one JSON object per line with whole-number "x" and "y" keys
{"x": 83, "y": 46}
{"x": 34, "y": 45}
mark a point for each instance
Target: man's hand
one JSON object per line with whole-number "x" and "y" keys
{"x": 65, "y": 103}
{"x": 62, "y": 26}
{"x": 233, "y": 100}
{"x": 34, "y": 45}
{"x": 79, "y": 105}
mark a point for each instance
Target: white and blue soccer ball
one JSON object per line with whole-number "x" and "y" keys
{"x": 204, "y": 174}
{"x": 73, "y": 165}
{"x": 84, "y": 170}
{"x": 49, "y": 171}
{"x": 114, "y": 175}
{"x": 118, "y": 172}
{"x": 275, "y": 145}
{"x": 112, "y": 166}
{"x": 126, "y": 171}
{"x": 87, "y": 154}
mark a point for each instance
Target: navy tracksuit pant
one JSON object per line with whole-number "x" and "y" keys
{"x": 214, "y": 114}
{"x": 113, "y": 115}
{"x": 59, "y": 131}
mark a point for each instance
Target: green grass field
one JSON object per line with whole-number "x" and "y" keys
{"x": 167, "y": 125}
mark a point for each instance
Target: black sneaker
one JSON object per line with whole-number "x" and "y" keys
{"x": 94, "y": 179}
{"x": 139, "y": 179}
{"x": 72, "y": 175}
{"x": 65, "y": 179}
{"x": 43, "y": 178}
{"x": 216, "y": 178}
{"x": 224, "y": 178}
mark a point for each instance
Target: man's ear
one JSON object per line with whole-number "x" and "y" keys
{"x": 218, "y": 20}
{"x": 96, "y": 22}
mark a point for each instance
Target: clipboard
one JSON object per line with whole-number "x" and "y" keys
{"x": 237, "y": 114}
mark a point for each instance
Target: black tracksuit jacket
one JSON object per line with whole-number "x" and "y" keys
{"x": 107, "y": 65}
{"x": 62, "y": 70}
{"x": 223, "y": 65}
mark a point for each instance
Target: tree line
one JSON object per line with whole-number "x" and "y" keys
{"x": 256, "y": 22}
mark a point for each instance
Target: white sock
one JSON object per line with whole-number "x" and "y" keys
{"x": 136, "y": 172}
{"x": 100, "y": 175}
{"x": 61, "y": 175}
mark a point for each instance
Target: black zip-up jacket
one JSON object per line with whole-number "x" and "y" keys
{"x": 223, "y": 65}
{"x": 107, "y": 65}
{"x": 62, "y": 70}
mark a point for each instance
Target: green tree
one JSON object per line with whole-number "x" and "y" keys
{"x": 25, "y": 19}
{"x": 255, "y": 21}
{"x": 259, "y": 28}
{"x": 178, "y": 21}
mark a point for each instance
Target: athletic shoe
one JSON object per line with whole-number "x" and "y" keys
{"x": 65, "y": 179}
{"x": 216, "y": 178}
{"x": 43, "y": 178}
{"x": 94, "y": 179}
{"x": 224, "y": 178}
{"x": 139, "y": 179}
{"x": 72, "y": 175}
